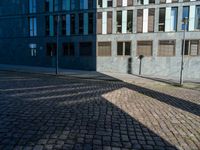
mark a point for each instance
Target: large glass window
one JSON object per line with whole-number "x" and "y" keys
{"x": 119, "y": 21}
{"x": 32, "y": 6}
{"x": 185, "y": 15}
{"x": 174, "y": 15}
{"x": 161, "y": 19}
{"x": 167, "y": 48}
{"x": 85, "y": 49}
{"x": 104, "y": 49}
{"x": 129, "y": 21}
{"x": 123, "y": 48}
{"x": 197, "y": 17}
{"x": 192, "y": 47}
{"x": 33, "y": 26}
{"x": 144, "y": 48}
{"x": 68, "y": 49}
{"x": 65, "y": 4}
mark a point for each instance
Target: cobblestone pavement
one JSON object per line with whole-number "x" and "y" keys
{"x": 47, "y": 112}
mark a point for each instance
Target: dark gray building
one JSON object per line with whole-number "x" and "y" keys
{"x": 102, "y": 35}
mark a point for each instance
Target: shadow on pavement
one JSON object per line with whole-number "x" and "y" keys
{"x": 53, "y": 113}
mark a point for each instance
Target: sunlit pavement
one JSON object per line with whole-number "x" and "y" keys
{"x": 47, "y": 112}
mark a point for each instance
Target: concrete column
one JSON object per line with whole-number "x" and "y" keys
{"x": 145, "y": 20}
{"x": 124, "y": 21}
{"x": 104, "y": 22}
{"x": 155, "y": 47}
{"x": 124, "y": 2}
{"x": 192, "y": 18}
{"x": 104, "y": 3}
{"x": 68, "y": 24}
{"x": 168, "y": 1}
{"x": 178, "y": 47}
{"x": 85, "y": 20}
{"x": 156, "y": 21}
{"x": 134, "y": 48}
{"x": 114, "y": 15}
{"x": 115, "y": 3}
{"x": 146, "y": 2}
{"x": 134, "y": 21}
{"x": 168, "y": 19}
{"x": 157, "y": 1}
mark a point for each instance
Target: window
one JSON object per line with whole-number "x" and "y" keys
{"x": 119, "y": 21}
{"x": 120, "y": 48}
{"x": 129, "y": 21}
{"x": 65, "y": 4}
{"x": 68, "y": 49}
{"x": 72, "y": 23}
{"x": 81, "y": 3}
{"x": 162, "y": 1}
{"x": 104, "y": 48}
{"x": 192, "y": 47}
{"x": 144, "y": 48}
{"x": 129, "y": 2}
{"x": 33, "y": 52}
{"x": 33, "y": 26}
{"x": 48, "y": 5}
{"x": 109, "y": 22}
{"x": 139, "y": 20}
{"x": 151, "y": 18}
{"x": 73, "y": 4}
{"x": 197, "y": 16}
{"x": 33, "y": 49}
{"x": 161, "y": 26}
{"x": 56, "y": 5}
{"x": 90, "y": 4}
{"x": 140, "y": 2}
{"x": 51, "y": 49}
{"x": 85, "y": 48}
{"x": 100, "y": 3}
{"x": 32, "y": 6}
{"x": 123, "y": 48}
{"x": 109, "y": 3}
{"x": 90, "y": 23}
{"x": 127, "y": 48}
{"x": 63, "y": 24}
{"x": 99, "y": 23}
{"x": 55, "y": 24}
{"x": 49, "y": 23}
{"x": 174, "y": 1}
{"x": 185, "y": 15}
{"x": 167, "y": 48}
{"x": 119, "y": 3}
{"x": 174, "y": 17}
{"x": 151, "y": 1}
{"x": 81, "y": 23}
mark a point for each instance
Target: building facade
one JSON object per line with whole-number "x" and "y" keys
{"x": 103, "y": 35}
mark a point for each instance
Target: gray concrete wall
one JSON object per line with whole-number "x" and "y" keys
{"x": 154, "y": 65}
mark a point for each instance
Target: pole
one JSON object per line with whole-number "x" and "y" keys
{"x": 58, "y": 20}
{"x": 185, "y": 21}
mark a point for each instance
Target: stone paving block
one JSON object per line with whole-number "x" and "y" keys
{"x": 67, "y": 113}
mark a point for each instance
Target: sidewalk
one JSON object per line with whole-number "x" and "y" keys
{"x": 108, "y": 76}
